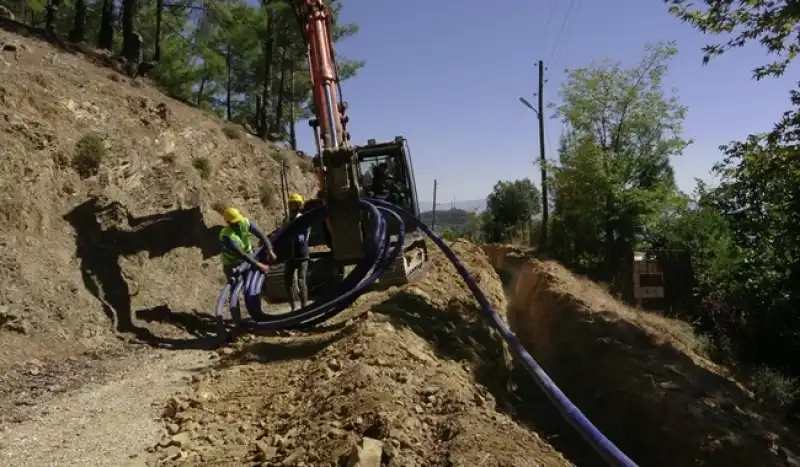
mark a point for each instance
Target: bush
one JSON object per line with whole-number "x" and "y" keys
{"x": 233, "y": 132}
{"x": 90, "y": 151}
{"x": 203, "y": 166}
{"x": 775, "y": 388}
{"x": 305, "y": 164}
{"x": 280, "y": 157}
{"x": 267, "y": 195}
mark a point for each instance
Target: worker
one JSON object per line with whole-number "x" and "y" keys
{"x": 237, "y": 245}
{"x": 296, "y": 272}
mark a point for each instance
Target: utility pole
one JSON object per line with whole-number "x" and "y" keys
{"x": 539, "y": 111}
{"x": 542, "y": 160}
{"x": 433, "y": 221}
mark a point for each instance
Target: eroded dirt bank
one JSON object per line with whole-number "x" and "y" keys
{"x": 636, "y": 375}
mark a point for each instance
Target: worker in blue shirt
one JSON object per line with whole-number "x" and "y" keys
{"x": 296, "y": 272}
{"x": 237, "y": 245}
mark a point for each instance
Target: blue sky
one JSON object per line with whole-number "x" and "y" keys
{"x": 447, "y": 75}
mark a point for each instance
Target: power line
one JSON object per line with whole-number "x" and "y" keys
{"x": 573, "y": 4}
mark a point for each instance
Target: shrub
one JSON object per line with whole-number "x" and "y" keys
{"x": 233, "y": 131}
{"x": 90, "y": 151}
{"x": 203, "y": 166}
{"x": 773, "y": 387}
{"x": 305, "y": 164}
{"x": 267, "y": 195}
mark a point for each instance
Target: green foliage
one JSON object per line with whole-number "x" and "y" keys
{"x": 220, "y": 55}
{"x": 450, "y": 234}
{"x": 513, "y": 204}
{"x": 203, "y": 166}
{"x": 775, "y": 388}
{"x": 772, "y": 24}
{"x": 90, "y": 151}
{"x": 614, "y": 177}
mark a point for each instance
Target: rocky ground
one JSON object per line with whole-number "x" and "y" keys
{"x": 107, "y": 352}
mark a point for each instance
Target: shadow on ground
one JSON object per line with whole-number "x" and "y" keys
{"x": 300, "y": 347}
{"x": 105, "y": 232}
{"x": 455, "y": 336}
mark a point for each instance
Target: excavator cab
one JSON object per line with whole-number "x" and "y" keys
{"x": 385, "y": 171}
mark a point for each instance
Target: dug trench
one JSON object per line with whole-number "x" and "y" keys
{"x": 639, "y": 377}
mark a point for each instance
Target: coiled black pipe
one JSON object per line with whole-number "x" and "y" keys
{"x": 379, "y": 255}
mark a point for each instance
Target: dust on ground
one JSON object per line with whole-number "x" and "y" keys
{"x": 420, "y": 372}
{"x": 638, "y": 376}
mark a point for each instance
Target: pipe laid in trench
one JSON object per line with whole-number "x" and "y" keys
{"x": 379, "y": 255}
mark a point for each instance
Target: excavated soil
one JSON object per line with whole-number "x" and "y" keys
{"x": 636, "y": 375}
{"x": 127, "y": 252}
{"x": 418, "y": 372}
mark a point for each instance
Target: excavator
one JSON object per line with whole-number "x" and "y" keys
{"x": 346, "y": 173}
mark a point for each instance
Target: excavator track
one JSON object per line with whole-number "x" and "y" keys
{"x": 410, "y": 265}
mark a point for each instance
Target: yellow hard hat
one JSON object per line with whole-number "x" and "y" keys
{"x": 232, "y": 215}
{"x": 296, "y": 198}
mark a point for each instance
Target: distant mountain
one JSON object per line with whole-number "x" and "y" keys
{"x": 455, "y": 219}
{"x": 475, "y": 205}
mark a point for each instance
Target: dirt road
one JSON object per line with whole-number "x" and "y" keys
{"x": 106, "y": 423}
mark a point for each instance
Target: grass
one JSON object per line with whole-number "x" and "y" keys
{"x": 233, "y": 131}
{"x": 90, "y": 151}
{"x": 203, "y": 167}
{"x": 280, "y": 157}
{"x": 267, "y": 195}
{"x": 305, "y": 164}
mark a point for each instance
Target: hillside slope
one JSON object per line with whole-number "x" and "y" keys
{"x": 131, "y": 244}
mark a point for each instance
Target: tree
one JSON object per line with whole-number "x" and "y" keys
{"x": 513, "y": 204}
{"x": 759, "y": 193}
{"x": 614, "y": 175}
{"x": 772, "y": 24}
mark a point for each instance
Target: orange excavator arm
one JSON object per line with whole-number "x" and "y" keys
{"x": 336, "y": 162}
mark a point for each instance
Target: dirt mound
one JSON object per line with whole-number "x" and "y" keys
{"x": 105, "y": 205}
{"x": 636, "y": 375}
{"x": 417, "y": 373}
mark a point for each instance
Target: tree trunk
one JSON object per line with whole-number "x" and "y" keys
{"x": 105, "y": 37}
{"x": 128, "y": 29}
{"x": 200, "y": 90}
{"x": 278, "y": 125}
{"x": 50, "y": 15}
{"x": 228, "y": 83}
{"x": 78, "y": 32}
{"x": 263, "y": 129}
{"x": 159, "y": 12}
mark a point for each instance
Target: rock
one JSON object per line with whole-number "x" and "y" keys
{"x": 265, "y": 451}
{"x": 334, "y": 364}
{"x": 367, "y": 454}
{"x": 173, "y": 428}
{"x": 181, "y": 439}
{"x": 294, "y": 457}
